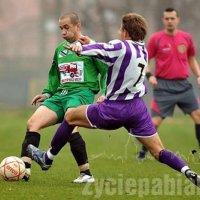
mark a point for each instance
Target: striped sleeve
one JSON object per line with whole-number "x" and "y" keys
{"x": 107, "y": 52}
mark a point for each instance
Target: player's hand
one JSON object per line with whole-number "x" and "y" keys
{"x": 84, "y": 39}
{"x": 76, "y": 47}
{"x": 153, "y": 81}
{"x": 101, "y": 99}
{"x": 38, "y": 99}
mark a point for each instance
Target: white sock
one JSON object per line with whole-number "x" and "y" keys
{"x": 50, "y": 155}
{"x": 184, "y": 169}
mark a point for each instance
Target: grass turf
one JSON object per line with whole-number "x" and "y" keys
{"x": 112, "y": 160}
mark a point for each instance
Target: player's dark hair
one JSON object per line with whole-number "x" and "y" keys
{"x": 73, "y": 17}
{"x": 135, "y": 25}
{"x": 170, "y": 9}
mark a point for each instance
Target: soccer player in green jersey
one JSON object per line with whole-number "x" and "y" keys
{"x": 73, "y": 80}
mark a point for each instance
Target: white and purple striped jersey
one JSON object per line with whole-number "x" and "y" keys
{"x": 127, "y": 61}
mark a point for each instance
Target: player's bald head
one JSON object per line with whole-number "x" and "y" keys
{"x": 74, "y": 18}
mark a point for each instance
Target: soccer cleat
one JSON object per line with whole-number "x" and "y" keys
{"x": 27, "y": 174}
{"x": 193, "y": 177}
{"x": 84, "y": 178}
{"x": 38, "y": 156}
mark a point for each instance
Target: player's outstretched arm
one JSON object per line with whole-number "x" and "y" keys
{"x": 107, "y": 52}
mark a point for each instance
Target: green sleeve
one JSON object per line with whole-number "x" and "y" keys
{"x": 102, "y": 69}
{"x": 53, "y": 78}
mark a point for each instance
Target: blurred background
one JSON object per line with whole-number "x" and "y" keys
{"x": 29, "y": 33}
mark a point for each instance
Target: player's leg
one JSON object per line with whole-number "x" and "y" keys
{"x": 76, "y": 141}
{"x": 155, "y": 147}
{"x": 84, "y": 116}
{"x": 189, "y": 104}
{"x": 161, "y": 107}
{"x": 61, "y": 137}
{"x": 78, "y": 116}
{"x": 141, "y": 126}
{"x": 157, "y": 120}
{"x": 196, "y": 118}
{"x": 73, "y": 117}
{"x": 78, "y": 149}
{"x": 42, "y": 117}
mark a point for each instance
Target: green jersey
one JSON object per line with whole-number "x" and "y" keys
{"x": 70, "y": 71}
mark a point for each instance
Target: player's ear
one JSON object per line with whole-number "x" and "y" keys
{"x": 126, "y": 34}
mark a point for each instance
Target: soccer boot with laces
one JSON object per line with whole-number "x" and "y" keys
{"x": 193, "y": 177}
{"x": 84, "y": 178}
{"x": 38, "y": 156}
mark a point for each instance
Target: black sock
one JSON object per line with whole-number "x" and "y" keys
{"x": 197, "y": 131}
{"x": 30, "y": 138}
{"x": 78, "y": 148}
{"x": 86, "y": 172}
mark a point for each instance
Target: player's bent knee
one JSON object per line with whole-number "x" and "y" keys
{"x": 32, "y": 125}
{"x": 69, "y": 115}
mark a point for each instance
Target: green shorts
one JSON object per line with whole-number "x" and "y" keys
{"x": 63, "y": 100}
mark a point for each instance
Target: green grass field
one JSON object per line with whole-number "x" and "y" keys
{"x": 112, "y": 160}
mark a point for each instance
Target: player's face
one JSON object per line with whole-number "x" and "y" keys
{"x": 170, "y": 21}
{"x": 69, "y": 31}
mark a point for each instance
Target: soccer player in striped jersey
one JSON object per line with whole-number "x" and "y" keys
{"x": 123, "y": 107}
